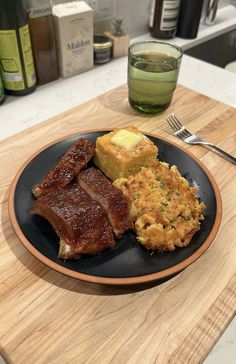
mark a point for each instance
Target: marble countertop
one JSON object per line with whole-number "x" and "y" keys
{"x": 19, "y": 113}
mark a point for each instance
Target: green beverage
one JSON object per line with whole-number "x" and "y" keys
{"x": 152, "y": 76}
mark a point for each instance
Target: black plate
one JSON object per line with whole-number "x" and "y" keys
{"x": 128, "y": 262}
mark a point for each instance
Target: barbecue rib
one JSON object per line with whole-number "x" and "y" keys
{"x": 74, "y": 160}
{"x": 80, "y": 222}
{"x": 111, "y": 198}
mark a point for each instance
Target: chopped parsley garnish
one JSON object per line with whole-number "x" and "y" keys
{"x": 156, "y": 175}
{"x": 164, "y": 203}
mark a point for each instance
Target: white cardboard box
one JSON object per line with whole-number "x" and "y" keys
{"x": 73, "y": 23}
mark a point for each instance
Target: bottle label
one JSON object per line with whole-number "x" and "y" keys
{"x": 1, "y": 90}
{"x": 10, "y": 61}
{"x": 27, "y": 55}
{"x": 39, "y": 12}
{"x": 152, "y": 13}
{"x": 169, "y": 14}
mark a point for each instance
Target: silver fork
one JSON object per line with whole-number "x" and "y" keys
{"x": 180, "y": 131}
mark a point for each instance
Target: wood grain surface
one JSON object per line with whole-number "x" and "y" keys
{"x": 46, "y": 317}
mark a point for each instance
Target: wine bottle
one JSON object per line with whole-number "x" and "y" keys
{"x": 2, "y": 95}
{"x": 16, "y": 58}
{"x": 41, "y": 28}
{"x": 163, "y": 18}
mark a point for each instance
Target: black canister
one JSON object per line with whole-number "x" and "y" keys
{"x": 189, "y": 18}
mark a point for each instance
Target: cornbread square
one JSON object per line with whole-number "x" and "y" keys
{"x": 116, "y": 161}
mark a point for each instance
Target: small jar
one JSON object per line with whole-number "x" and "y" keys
{"x": 102, "y": 49}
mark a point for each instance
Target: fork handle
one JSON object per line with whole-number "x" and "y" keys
{"x": 227, "y": 156}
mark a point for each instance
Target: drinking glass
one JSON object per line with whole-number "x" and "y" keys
{"x": 153, "y": 69}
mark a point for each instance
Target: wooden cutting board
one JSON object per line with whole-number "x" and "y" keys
{"x": 46, "y": 317}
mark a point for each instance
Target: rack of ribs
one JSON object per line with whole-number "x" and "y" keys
{"x": 99, "y": 188}
{"x": 69, "y": 166}
{"x": 80, "y": 222}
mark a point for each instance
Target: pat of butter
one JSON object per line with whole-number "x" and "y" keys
{"x": 126, "y": 139}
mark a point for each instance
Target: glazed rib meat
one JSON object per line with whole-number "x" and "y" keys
{"x": 111, "y": 198}
{"x": 73, "y": 161}
{"x": 80, "y": 222}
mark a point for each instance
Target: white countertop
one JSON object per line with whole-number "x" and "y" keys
{"x": 19, "y": 113}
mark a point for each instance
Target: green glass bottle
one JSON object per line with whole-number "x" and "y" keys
{"x": 2, "y": 95}
{"x": 16, "y": 58}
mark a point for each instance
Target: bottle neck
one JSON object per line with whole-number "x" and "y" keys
{"x": 36, "y": 4}
{"x": 37, "y": 9}
{"x": 12, "y": 14}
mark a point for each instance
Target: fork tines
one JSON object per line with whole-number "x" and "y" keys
{"x": 178, "y": 128}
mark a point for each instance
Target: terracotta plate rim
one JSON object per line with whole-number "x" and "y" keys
{"x": 164, "y": 274}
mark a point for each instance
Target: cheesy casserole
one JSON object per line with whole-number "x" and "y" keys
{"x": 165, "y": 209}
